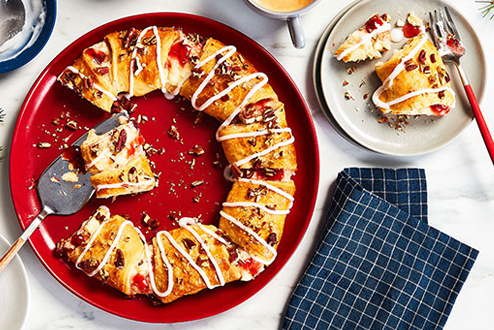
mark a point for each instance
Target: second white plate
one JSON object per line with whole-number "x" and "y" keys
{"x": 357, "y": 118}
{"x": 14, "y": 296}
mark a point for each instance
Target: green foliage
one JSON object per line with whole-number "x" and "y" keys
{"x": 487, "y": 8}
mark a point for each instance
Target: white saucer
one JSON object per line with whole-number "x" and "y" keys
{"x": 14, "y": 292}
{"x": 354, "y": 118}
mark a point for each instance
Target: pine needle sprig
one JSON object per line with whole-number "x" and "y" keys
{"x": 487, "y": 8}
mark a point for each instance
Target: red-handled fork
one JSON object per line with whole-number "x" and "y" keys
{"x": 447, "y": 40}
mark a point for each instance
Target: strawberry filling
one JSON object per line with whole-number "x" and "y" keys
{"x": 439, "y": 109}
{"x": 373, "y": 23}
{"x": 181, "y": 52}
{"x": 410, "y": 31}
{"x": 141, "y": 283}
{"x": 97, "y": 55}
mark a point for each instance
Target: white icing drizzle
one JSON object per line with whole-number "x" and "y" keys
{"x": 108, "y": 253}
{"x": 212, "y": 233}
{"x": 158, "y": 57}
{"x": 388, "y": 82}
{"x": 231, "y": 50}
{"x": 98, "y": 87}
{"x": 254, "y": 134}
{"x": 365, "y": 38}
{"x": 98, "y": 158}
{"x": 189, "y": 259}
{"x": 133, "y": 58}
{"x": 253, "y": 234}
{"x": 264, "y": 152}
{"x": 251, "y": 204}
{"x": 270, "y": 187}
{"x": 124, "y": 184}
{"x": 151, "y": 273}
{"x": 168, "y": 267}
{"x": 171, "y": 95}
{"x": 387, "y": 105}
{"x": 93, "y": 237}
{"x": 258, "y": 86}
{"x": 219, "y": 274}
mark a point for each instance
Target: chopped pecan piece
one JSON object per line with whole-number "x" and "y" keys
{"x": 422, "y": 56}
{"x": 130, "y": 38}
{"x": 196, "y": 151}
{"x": 173, "y": 133}
{"x": 102, "y": 70}
{"x": 272, "y": 239}
{"x": 188, "y": 243}
{"x": 133, "y": 175}
{"x": 119, "y": 259}
{"x": 120, "y": 142}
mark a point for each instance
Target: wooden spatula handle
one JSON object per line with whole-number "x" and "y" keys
{"x": 10, "y": 254}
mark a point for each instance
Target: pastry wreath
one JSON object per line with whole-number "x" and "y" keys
{"x": 257, "y": 143}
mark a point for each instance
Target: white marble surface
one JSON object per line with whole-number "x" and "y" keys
{"x": 460, "y": 175}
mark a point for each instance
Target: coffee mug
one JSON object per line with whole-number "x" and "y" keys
{"x": 286, "y": 10}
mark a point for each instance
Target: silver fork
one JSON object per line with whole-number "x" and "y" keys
{"x": 447, "y": 40}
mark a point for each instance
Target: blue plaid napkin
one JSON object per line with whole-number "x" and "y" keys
{"x": 379, "y": 264}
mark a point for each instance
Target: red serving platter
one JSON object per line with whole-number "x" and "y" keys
{"x": 48, "y": 100}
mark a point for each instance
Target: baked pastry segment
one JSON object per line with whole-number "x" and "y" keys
{"x": 117, "y": 162}
{"x": 112, "y": 250}
{"x": 367, "y": 42}
{"x": 90, "y": 76}
{"x": 415, "y": 81}
{"x": 253, "y": 216}
{"x": 259, "y": 138}
{"x": 134, "y": 177}
{"x": 190, "y": 259}
{"x": 180, "y": 262}
{"x": 132, "y": 63}
{"x": 222, "y": 79}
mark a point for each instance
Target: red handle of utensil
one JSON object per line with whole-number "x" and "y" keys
{"x": 484, "y": 130}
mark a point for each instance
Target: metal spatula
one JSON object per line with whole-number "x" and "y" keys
{"x": 58, "y": 196}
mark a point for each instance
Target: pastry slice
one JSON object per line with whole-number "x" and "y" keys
{"x": 415, "y": 81}
{"x": 253, "y": 216}
{"x": 270, "y": 150}
{"x": 110, "y": 249}
{"x": 138, "y": 57}
{"x": 221, "y": 81}
{"x": 183, "y": 54}
{"x": 367, "y": 42}
{"x": 117, "y": 162}
{"x": 192, "y": 258}
{"x": 132, "y": 63}
{"x": 90, "y": 76}
{"x": 259, "y": 143}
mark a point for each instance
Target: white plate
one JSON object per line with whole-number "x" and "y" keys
{"x": 14, "y": 292}
{"x": 356, "y": 117}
